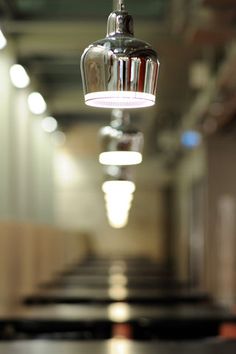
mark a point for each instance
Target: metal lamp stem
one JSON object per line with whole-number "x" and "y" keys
{"x": 118, "y": 5}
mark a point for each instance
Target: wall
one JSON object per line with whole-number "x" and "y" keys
{"x": 221, "y": 225}
{"x": 32, "y": 250}
{"x": 190, "y": 170}
{"x": 32, "y": 254}
{"x": 26, "y": 154}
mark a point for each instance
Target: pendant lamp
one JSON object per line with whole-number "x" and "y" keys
{"x": 118, "y": 195}
{"x": 118, "y": 189}
{"x": 121, "y": 143}
{"x": 119, "y": 71}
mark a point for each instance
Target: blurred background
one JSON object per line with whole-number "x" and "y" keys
{"x": 52, "y": 207}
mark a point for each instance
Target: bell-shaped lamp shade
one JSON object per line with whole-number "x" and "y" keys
{"x": 119, "y": 71}
{"x": 121, "y": 143}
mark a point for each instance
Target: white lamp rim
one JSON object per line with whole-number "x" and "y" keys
{"x": 119, "y": 99}
{"x": 120, "y": 158}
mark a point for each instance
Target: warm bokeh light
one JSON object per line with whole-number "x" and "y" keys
{"x": 118, "y": 293}
{"x": 119, "y": 158}
{"x": 118, "y": 279}
{"x": 119, "y": 346}
{"x": 119, "y": 312}
{"x": 118, "y": 267}
{"x": 49, "y": 124}
{"x": 36, "y": 103}
{"x": 19, "y": 76}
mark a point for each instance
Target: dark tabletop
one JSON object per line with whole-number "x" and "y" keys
{"x": 107, "y": 295}
{"x": 132, "y": 281}
{"x": 179, "y": 321}
{"x": 117, "y": 312}
{"x": 117, "y": 347}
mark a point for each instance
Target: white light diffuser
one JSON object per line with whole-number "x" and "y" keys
{"x": 36, "y": 103}
{"x": 118, "y": 187}
{"x": 120, "y": 158}
{"x": 120, "y": 99}
{"x": 19, "y": 76}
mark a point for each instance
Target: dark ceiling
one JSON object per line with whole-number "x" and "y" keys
{"x": 78, "y": 9}
{"x": 50, "y": 36}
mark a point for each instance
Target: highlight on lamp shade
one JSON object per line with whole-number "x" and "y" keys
{"x": 19, "y": 76}
{"x": 119, "y": 71}
{"x": 36, "y": 103}
{"x": 3, "y": 40}
{"x": 49, "y": 124}
{"x": 121, "y": 143}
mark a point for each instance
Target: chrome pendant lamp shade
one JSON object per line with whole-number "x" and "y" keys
{"x": 121, "y": 143}
{"x": 119, "y": 71}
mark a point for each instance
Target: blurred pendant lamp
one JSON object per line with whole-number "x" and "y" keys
{"x": 118, "y": 191}
{"x": 119, "y": 71}
{"x": 121, "y": 143}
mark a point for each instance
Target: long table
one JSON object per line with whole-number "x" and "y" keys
{"x": 128, "y": 267}
{"x": 117, "y": 293}
{"x": 116, "y": 346}
{"x": 134, "y": 281}
{"x": 98, "y": 321}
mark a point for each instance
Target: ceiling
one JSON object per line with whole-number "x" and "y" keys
{"x": 50, "y": 36}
